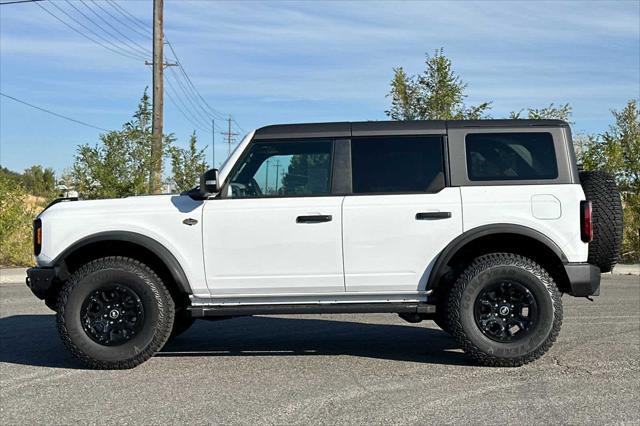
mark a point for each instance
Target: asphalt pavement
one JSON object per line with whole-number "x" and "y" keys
{"x": 328, "y": 369}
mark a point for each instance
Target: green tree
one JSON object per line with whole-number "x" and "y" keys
{"x": 617, "y": 151}
{"x": 17, "y": 209}
{"x": 187, "y": 164}
{"x": 438, "y": 93}
{"x": 552, "y": 112}
{"x": 10, "y": 175}
{"x": 39, "y": 181}
{"x": 120, "y": 165}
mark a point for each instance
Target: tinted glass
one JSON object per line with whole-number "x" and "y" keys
{"x": 511, "y": 156}
{"x": 277, "y": 169}
{"x": 397, "y": 164}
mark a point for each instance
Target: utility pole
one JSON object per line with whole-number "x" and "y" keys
{"x": 229, "y": 134}
{"x": 266, "y": 179}
{"x": 155, "y": 176}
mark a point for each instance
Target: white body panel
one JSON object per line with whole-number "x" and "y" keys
{"x": 255, "y": 246}
{"x": 386, "y": 248}
{"x": 553, "y": 210}
{"x": 157, "y": 217}
{"x": 372, "y": 250}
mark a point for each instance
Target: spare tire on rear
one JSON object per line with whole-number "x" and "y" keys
{"x": 600, "y": 188}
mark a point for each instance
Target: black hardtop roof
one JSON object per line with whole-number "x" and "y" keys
{"x": 372, "y": 128}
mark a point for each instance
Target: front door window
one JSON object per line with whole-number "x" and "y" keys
{"x": 283, "y": 169}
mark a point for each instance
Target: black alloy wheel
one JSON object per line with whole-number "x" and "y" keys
{"x": 112, "y": 315}
{"x": 506, "y": 311}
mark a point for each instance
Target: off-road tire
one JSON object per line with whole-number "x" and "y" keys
{"x": 181, "y": 323}
{"x": 600, "y": 188}
{"x": 153, "y": 295}
{"x": 489, "y": 269}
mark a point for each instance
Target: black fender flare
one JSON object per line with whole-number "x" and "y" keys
{"x": 172, "y": 264}
{"x": 439, "y": 267}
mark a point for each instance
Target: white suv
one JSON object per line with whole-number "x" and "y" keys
{"x": 478, "y": 225}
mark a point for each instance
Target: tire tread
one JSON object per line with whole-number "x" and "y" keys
{"x": 165, "y": 314}
{"x": 479, "y": 265}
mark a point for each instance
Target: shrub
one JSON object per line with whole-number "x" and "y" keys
{"x": 17, "y": 210}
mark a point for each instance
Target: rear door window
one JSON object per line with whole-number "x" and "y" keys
{"x": 510, "y": 156}
{"x": 399, "y": 164}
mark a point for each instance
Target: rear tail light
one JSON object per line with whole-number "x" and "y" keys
{"x": 586, "y": 219}
{"x": 37, "y": 236}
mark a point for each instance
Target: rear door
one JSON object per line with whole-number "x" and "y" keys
{"x": 401, "y": 213}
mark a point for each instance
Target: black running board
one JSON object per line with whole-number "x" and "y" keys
{"x": 324, "y": 308}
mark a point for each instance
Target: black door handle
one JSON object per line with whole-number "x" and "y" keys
{"x": 433, "y": 215}
{"x": 318, "y": 218}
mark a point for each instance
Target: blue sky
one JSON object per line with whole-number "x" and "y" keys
{"x": 282, "y": 62}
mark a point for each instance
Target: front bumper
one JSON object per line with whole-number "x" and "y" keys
{"x": 41, "y": 281}
{"x": 584, "y": 279}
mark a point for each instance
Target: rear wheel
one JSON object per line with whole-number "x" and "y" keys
{"x": 114, "y": 313}
{"x": 505, "y": 310}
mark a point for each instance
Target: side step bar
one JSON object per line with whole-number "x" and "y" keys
{"x": 326, "y": 308}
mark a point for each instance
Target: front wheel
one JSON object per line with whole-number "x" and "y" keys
{"x": 114, "y": 313}
{"x": 505, "y": 310}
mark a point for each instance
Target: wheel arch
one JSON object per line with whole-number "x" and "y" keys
{"x": 128, "y": 244}
{"x": 508, "y": 238}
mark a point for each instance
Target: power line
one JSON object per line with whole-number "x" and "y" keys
{"x": 192, "y": 92}
{"x": 124, "y": 12}
{"x": 198, "y": 111}
{"x": 95, "y": 33}
{"x": 212, "y": 110}
{"x": 18, "y": 1}
{"x": 119, "y": 52}
{"x": 134, "y": 44}
{"x": 188, "y": 94}
{"x": 134, "y": 28}
{"x": 180, "y": 106}
{"x": 53, "y": 113}
{"x": 239, "y": 126}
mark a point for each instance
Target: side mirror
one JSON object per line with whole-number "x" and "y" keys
{"x": 209, "y": 182}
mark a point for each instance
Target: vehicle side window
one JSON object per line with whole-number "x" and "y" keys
{"x": 277, "y": 169}
{"x": 510, "y": 156}
{"x": 398, "y": 164}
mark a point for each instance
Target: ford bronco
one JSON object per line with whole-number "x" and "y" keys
{"x": 480, "y": 226}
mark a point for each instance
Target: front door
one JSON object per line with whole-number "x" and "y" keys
{"x": 401, "y": 214}
{"x": 278, "y": 228}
